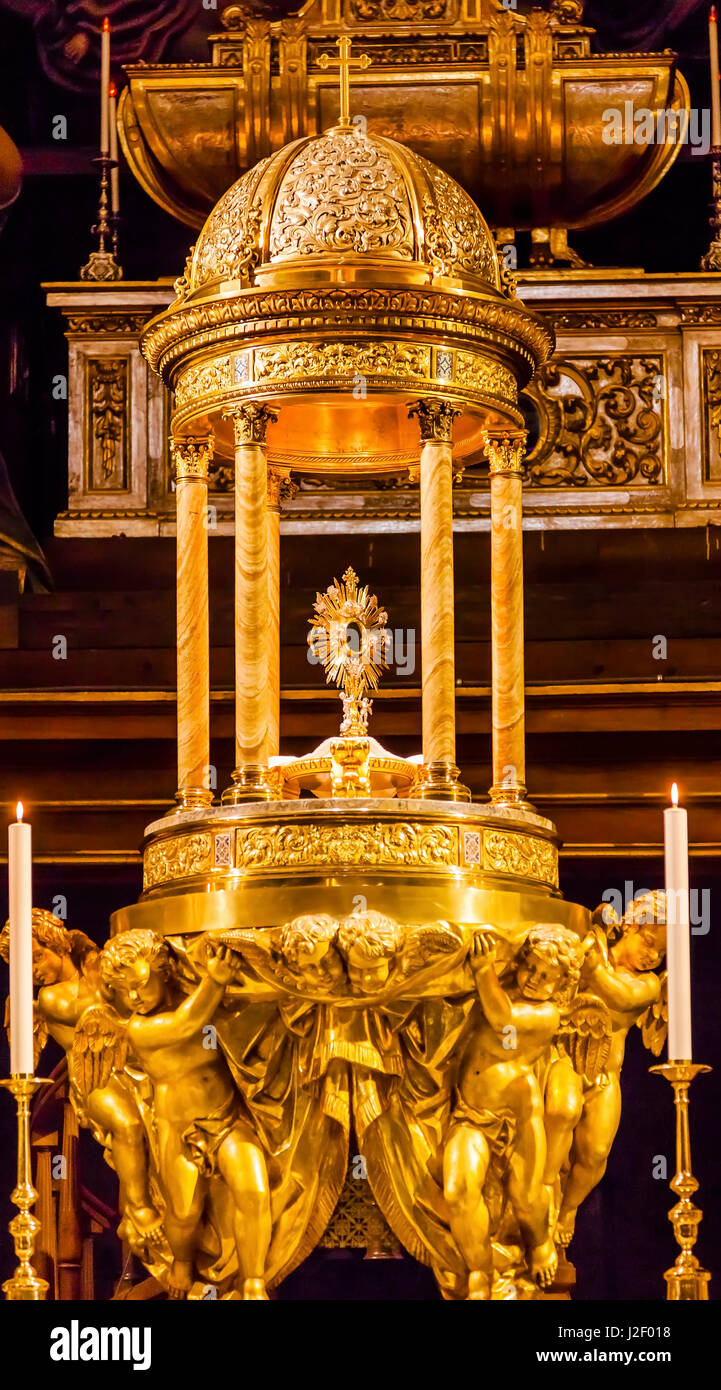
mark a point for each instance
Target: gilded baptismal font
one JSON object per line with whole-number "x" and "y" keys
{"x": 344, "y": 948}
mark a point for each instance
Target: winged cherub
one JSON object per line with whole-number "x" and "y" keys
{"x": 198, "y": 1120}
{"x": 499, "y": 1105}
{"x": 620, "y": 969}
{"x": 68, "y": 1008}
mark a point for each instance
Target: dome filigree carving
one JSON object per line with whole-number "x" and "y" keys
{"x": 342, "y": 193}
{"x": 351, "y": 195}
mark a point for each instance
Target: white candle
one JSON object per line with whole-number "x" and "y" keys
{"x": 715, "y": 90}
{"x": 678, "y": 954}
{"x": 104, "y": 86}
{"x": 20, "y": 852}
{"x": 114, "y": 181}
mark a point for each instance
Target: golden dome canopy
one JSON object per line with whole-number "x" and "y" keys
{"x": 350, "y": 196}
{"x": 339, "y": 281}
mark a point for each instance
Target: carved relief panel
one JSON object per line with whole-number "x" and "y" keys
{"x": 107, "y": 416}
{"x": 599, "y": 422}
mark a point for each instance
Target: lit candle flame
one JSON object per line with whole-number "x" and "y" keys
{"x": 19, "y": 810}
{"x": 674, "y": 795}
{"x": 112, "y": 90}
{"x": 106, "y": 24}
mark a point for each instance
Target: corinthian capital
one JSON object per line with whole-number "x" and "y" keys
{"x": 250, "y": 421}
{"x": 191, "y": 457}
{"x": 280, "y": 487}
{"x": 505, "y": 451}
{"x": 435, "y": 417}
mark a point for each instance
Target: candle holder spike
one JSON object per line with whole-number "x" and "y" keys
{"x": 712, "y": 258}
{"x": 686, "y": 1281}
{"x": 102, "y": 263}
{"x": 25, "y": 1285}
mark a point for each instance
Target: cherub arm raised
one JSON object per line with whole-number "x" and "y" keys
{"x": 620, "y": 990}
{"x": 496, "y": 1004}
{"x": 182, "y": 1023}
{"x": 500, "y": 1009}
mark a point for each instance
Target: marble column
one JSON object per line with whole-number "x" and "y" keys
{"x": 191, "y": 458}
{"x": 278, "y": 485}
{"x": 438, "y": 778}
{"x": 250, "y": 780}
{"x": 505, "y": 453}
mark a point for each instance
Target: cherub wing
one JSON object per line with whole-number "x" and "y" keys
{"x": 585, "y": 1036}
{"x": 40, "y": 1037}
{"x": 426, "y": 944}
{"x": 100, "y": 1047}
{"x": 251, "y": 946}
{"x": 654, "y": 1020}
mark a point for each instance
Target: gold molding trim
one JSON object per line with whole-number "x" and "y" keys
{"x": 436, "y": 847}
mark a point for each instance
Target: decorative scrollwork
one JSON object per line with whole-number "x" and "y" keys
{"x": 456, "y": 236}
{"x": 602, "y": 422}
{"x": 204, "y": 380}
{"x": 342, "y": 192}
{"x": 297, "y": 846}
{"x": 177, "y": 857}
{"x": 229, "y": 244}
{"x": 304, "y": 360}
{"x": 402, "y": 11}
{"x": 506, "y": 852}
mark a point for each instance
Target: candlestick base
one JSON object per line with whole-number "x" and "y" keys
{"x": 101, "y": 264}
{"x": 25, "y": 1285}
{"x": 687, "y": 1280}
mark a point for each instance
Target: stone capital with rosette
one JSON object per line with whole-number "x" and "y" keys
{"x": 191, "y": 457}
{"x": 505, "y": 451}
{"x": 280, "y": 487}
{"x": 435, "y": 418}
{"x": 250, "y": 421}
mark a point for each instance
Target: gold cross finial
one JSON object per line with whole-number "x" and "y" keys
{"x": 344, "y": 62}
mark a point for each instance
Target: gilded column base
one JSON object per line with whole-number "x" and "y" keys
{"x": 509, "y": 796}
{"x": 438, "y": 781}
{"x": 252, "y": 782}
{"x": 193, "y": 798}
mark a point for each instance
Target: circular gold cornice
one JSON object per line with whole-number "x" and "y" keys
{"x": 424, "y": 313}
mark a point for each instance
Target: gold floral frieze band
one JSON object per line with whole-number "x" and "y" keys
{"x": 421, "y": 845}
{"x": 289, "y": 364}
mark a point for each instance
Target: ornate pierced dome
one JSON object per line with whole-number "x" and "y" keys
{"x": 362, "y": 199}
{"x": 339, "y": 281}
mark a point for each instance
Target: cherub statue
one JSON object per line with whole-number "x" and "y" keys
{"x": 308, "y": 946}
{"x": 369, "y": 943}
{"x": 61, "y": 957}
{"x": 69, "y": 1009}
{"x": 198, "y": 1121}
{"x": 499, "y": 1106}
{"x": 300, "y": 957}
{"x": 620, "y": 970}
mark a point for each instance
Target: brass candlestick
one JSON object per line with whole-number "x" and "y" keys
{"x": 25, "y": 1284}
{"x": 686, "y": 1280}
{"x": 102, "y": 264}
{"x": 712, "y": 259}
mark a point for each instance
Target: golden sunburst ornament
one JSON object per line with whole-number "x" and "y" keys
{"x": 349, "y": 637}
